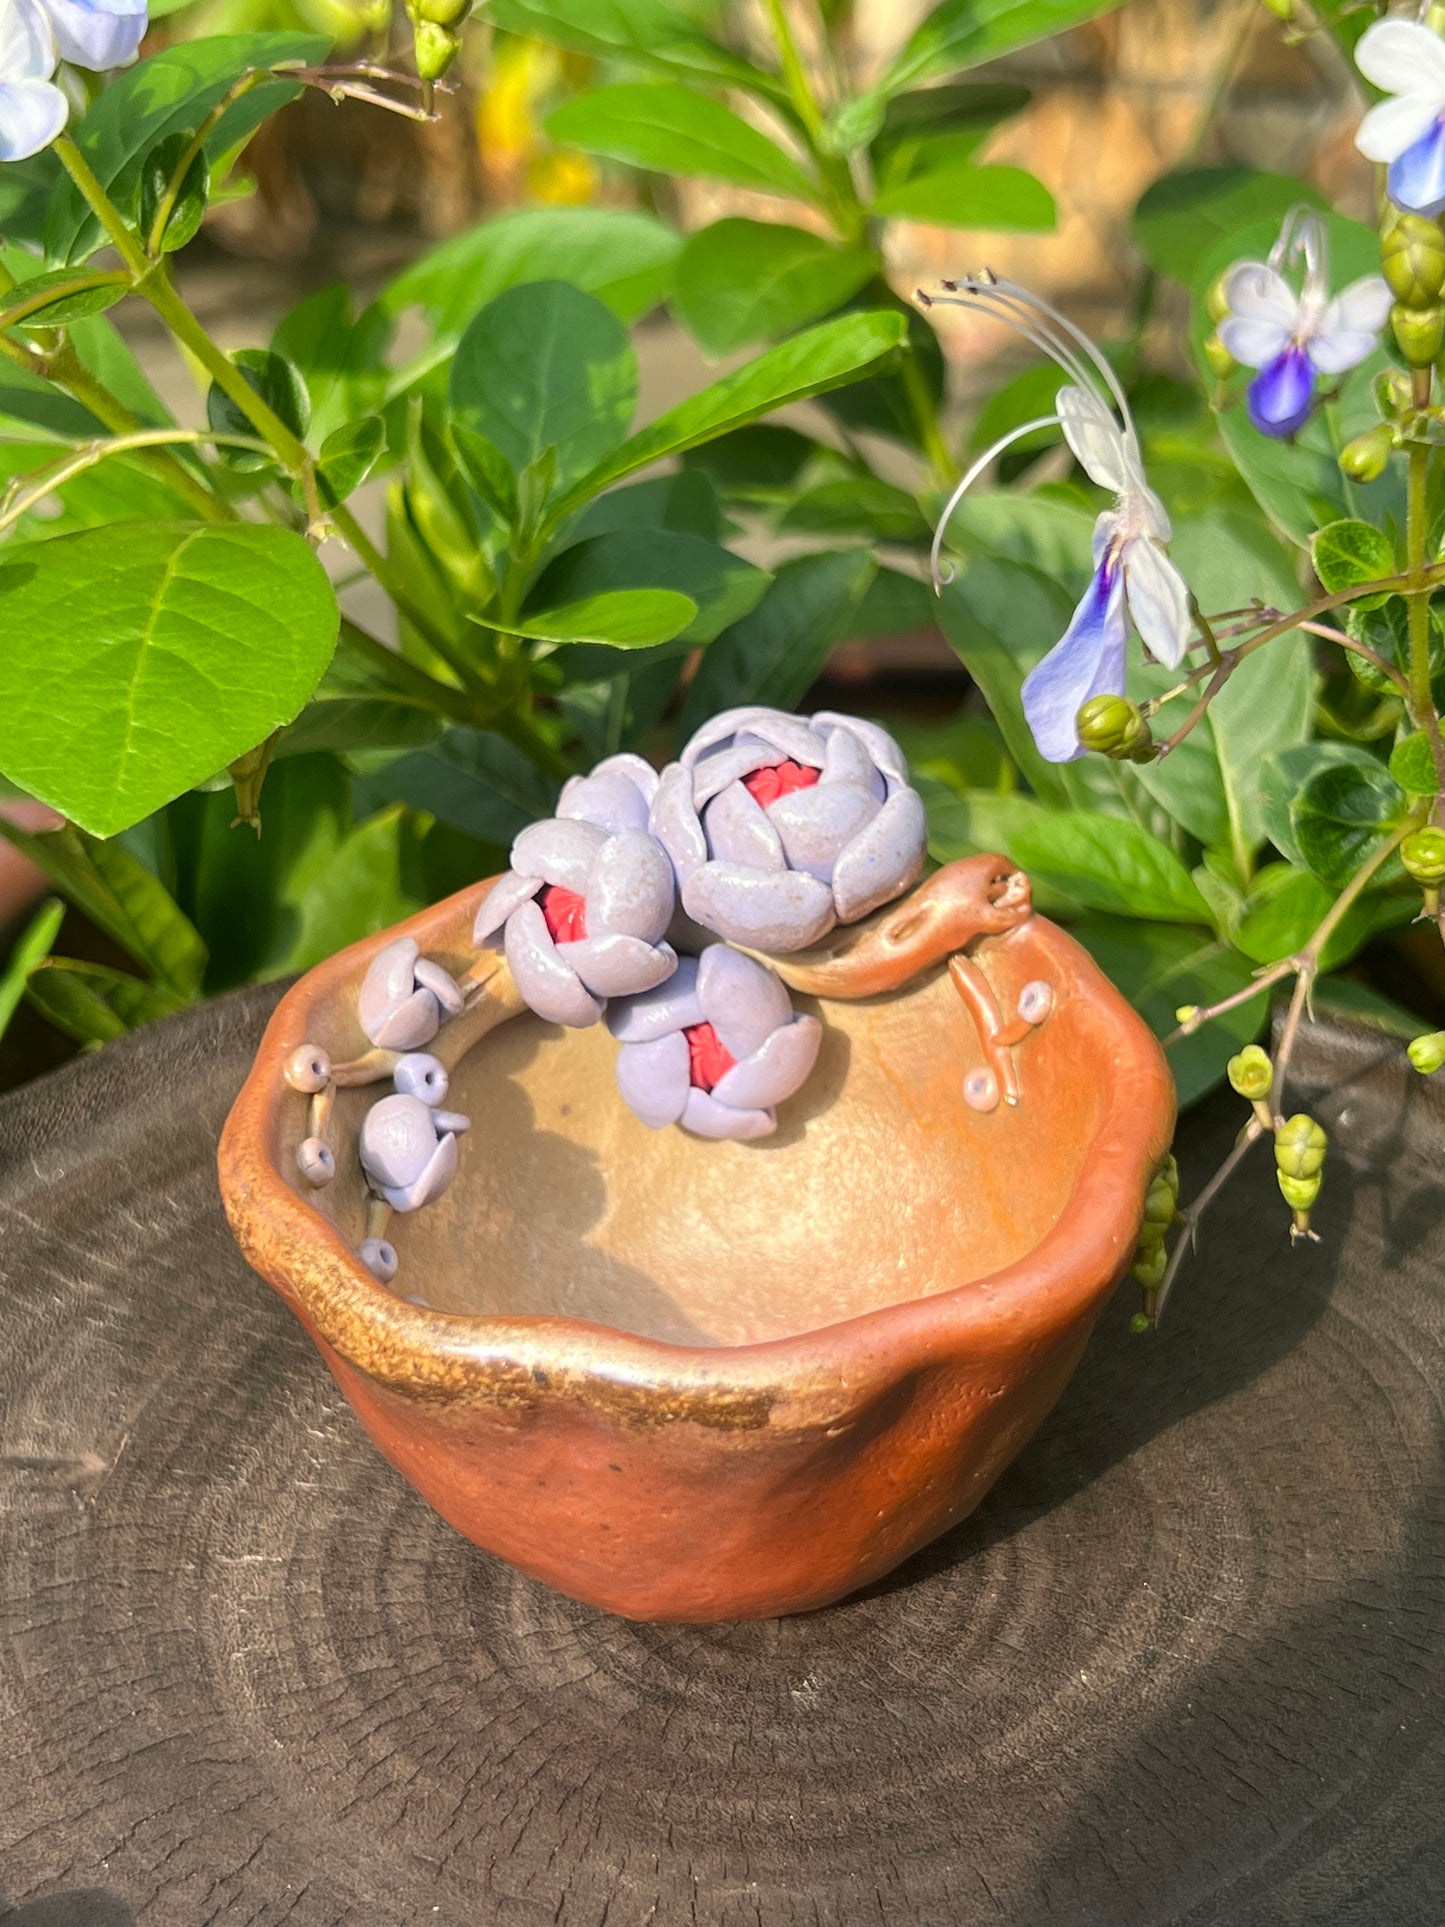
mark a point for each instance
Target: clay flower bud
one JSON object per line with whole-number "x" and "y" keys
{"x": 1365, "y": 458}
{"x": 1299, "y": 1147}
{"x": 781, "y": 826}
{"x": 1423, "y": 855}
{"x": 405, "y": 998}
{"x": 1427, "y": 1053}
{"x": 1412, "y": 256}
{"x": 409, "y": 1147}
{"x": 1221, "y": 362}
{"x": 1251, "y": 1073}
{"x": 1419, "y": 333}
{"x": 588, "y": 899}
{"x": 1115, "y": 727}
{"x": 715, "y": 1049}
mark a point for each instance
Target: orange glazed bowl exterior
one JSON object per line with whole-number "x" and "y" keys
{"x": 692, "y": 1380}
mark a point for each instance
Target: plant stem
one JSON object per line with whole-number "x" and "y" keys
{"x": 406, "y": 677}
{"x": 106, "y": 212}
{"x": 93, "y": 453}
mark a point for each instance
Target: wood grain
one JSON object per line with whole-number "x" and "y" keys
{"x": 1185, "y": 1666}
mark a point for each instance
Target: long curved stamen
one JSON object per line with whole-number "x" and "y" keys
{"x": 1302, "y": 238}
{"x": 972, "y": 475}
{"x": 984, "y": 298}
{"x": 1106, "y": 374}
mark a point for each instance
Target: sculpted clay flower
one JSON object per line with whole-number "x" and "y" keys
{"x": 781, "y": 826}
{"x": 404, "y": 997}
{"x": 408, "y": 1146}
{"x": 714, "y": 1049}
{"x": 588, "y": 899}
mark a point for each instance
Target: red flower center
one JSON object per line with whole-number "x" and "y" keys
{"x": 708, "y": 1056}
{"x": 565, "y": 912}
{"x": 779, "y": 779}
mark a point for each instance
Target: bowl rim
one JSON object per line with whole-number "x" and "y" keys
{"x": 793, "y": 1380}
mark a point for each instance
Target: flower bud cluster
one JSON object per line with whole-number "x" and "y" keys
{"x": 1412, "y": 256}
{"x": 1151, "y": 1254}
{"x": 1299, "y": 1156}
{"x": 436, "y": 41}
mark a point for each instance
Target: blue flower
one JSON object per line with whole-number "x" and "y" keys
{"x": 1407, "y": 59}
{"x": 1292, "y": 338}
{"x": 97, "y": 34}
{"x": 32, "y": 109}
{"x": 1134, "y": 581}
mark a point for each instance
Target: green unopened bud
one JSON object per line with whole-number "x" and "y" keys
{"x": 1186, "y": 1013}
{"x": 1115, "y": 727}
{"x": 439, "y": 13}
{"x": 1217, "y": 301}
{"x": 1364, "y": 459}
{"x": 1281, "y": 9}
{"x": 1419, "y": 333}
{"x": 435, "y": 48}
{"x": 1412, "y": 256}
{"x": 1251, "y": 1073}
{"x": 1221, "y": 362}
{"x": 1394, "y": 393}
{"x": 1161, "y": 1207}
{"x": 1141, "y": 1322}
{"x": 1299, "y": 1193}
{"x": 1423, "y": 855}
{"x": 1299, "y": 1147}
{"x": 1427, "y": 1053}
{"x": 1149, "y": 1266}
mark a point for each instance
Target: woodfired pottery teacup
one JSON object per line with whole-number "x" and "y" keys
{"x": 694, "y": 1380}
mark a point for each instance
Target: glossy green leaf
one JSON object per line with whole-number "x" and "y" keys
{"x": 1412, "y": 764}
{"x": 863, "y": 506}
{"x": 191, "y": 194}
{"x": 1285, "y": 773}
{"x": 811, "y": 363}
{"x": 546, "y": 366}
{"x": 896, "y": 605}
{"x": 968, "y": 196}
{"x": 673, "y": 129}
{"x": 721, "y": 585}
{"x": 340, "y": 355}
{"x": 1048, "y": 532}
{"x": 140, "y": 659}
{"x": 954, "y": 120}
{"x": 473, "y": 779}
{"x": 31, "y": 948}
{"x": 346, "y": 723}
{"x": 775, "y": 653}
{"x": 1348, "y": 552}
{"x": 755, "y": 464}
{"x": 883, "y": 402}
{"x": 972, "y": 822}
{"x": 122, "y": 898}
{"x": 72, "y": 295}
{"x": 965, "y": 753}
{"x": 1109, "y": 864}
{"x": 683, "y": 503}
{"x": 964, "y": 33}
{"x": 348, "y": 455}
{"x": 744, "y": 281}
{"x": 93, "y": 1003}
{"x": 1287, "y": 907}
{"x": 645, "y": 33}
{"x": 1340, "y": 817}
{"x": 364, "y": 887}
{"x": 614, "y": 619}
{"x": 1183, "y": 214}
{"x": 279, "y": 385}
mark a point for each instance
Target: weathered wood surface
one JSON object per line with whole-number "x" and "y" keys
{"x": 1187, "y": 1666}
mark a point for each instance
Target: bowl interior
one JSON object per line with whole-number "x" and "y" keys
{"x": 880, "y": 1185}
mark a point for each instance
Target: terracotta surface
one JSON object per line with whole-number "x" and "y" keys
{"x": 699, "y": 1381}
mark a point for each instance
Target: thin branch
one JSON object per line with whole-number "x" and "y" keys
{"x": 91, "y": 454}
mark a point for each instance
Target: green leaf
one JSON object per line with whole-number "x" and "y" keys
{"x": 756, "y": 464}
{"x": 1340, "y": 817}
{"x": 93, "y": 1003}
{"x": 675, "y": 130}
{"x": 1342, "y": 996}
{"x": 973, "y": 821}
{"x": 965, "y": 753}
{"x": 31, "y": 948}
{"x": 964, "y": 33}
{"x": 340, "y": 355}
{"x": 1288, "y": 905}
{"x": 624, "y": 258}
{"x": 614, "y": 618}
{"x": 1051, "y": 533}
{"x": 744, "y": 281}
{"x": 896, "y": 605}
{"x": 648, "y": 33}
{"x": 859, "y": 505}
{"x": 142, "y": 658}
{"x": 348, "y": 455}
{"x": 1182, "y": 214}
{"x": 721, "y": 585}
{"x": 189, "y": 206}
{"x": 965, "y": 195}
{"x": 774, "y": 654}
{"x": 1108, "y": 864}
{"x": 277, "y": 383}
{"x": 74, "y": 296}
{"x": 487, "y": 469}
{"x": 473, "y": 779}
{"x": 1412, "y": 764}
{"x": 882, "y": 404}
{"x": 170, "y": 93}
{"x": 364, "y": 887}
{"x": 1285, "y": 773}
{"x": 684, "y": 503}
{"x": 347, "y": 723}
{"x": 1346, "y": 553}
{"x": 122, "y": 898}
{"x": 956, "y": 120}
{"x": 546, "y": 366}
{"x": 807, "y": 364}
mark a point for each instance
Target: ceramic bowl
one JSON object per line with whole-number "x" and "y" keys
{"x": 691, "y": 1380}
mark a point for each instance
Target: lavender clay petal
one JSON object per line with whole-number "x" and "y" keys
{"x": 631, "y": 890}
{"x": 507, "y": 894}
{"x": 389, "y": 981}
{"x": 419, "y": 1074}
{"x": 548, "y": 985}
{"x": 816, "y": 825}
{"x": 674, "y": 1005}
{"x": 775, "y": 1070}
{"x": 847, "y": 761}
{"x": 790, "y": 735}
{"x": 442, "y": 985}
{"x": 455, "y": 1123}
{"x": 673, "y": 820}
{"x": 738, "y": 831}
{"x": 878, "y": 743}
{"x": 766, "y": 910}
{"x": 558, "y": 852}
{"x": 619, "y": 966}
{"x": 742, "y": 999}
{"x": 429, "y": 1183}
{"x": 607, "y": 798}
{"x": 705, "y": 1117}
{"x": 415, "y": 1023}
{"x": 729, "y": 765}
{"x": 884, "y": 859}
{"x": 653, "y": 1079}
{"x": 397, "y": 1139}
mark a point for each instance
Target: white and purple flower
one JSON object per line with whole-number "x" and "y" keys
{"x": 780, "y": 826}
{"x": 587, "y": 902}
{"x": 408, "y": 1144}
{"x": 1133, "y": 576}
{"x": 1406, "y": 59}
{"x": 1294, "y": 338}
{"x": 35, "y": 36}
{"x": 715, "y": 1049}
